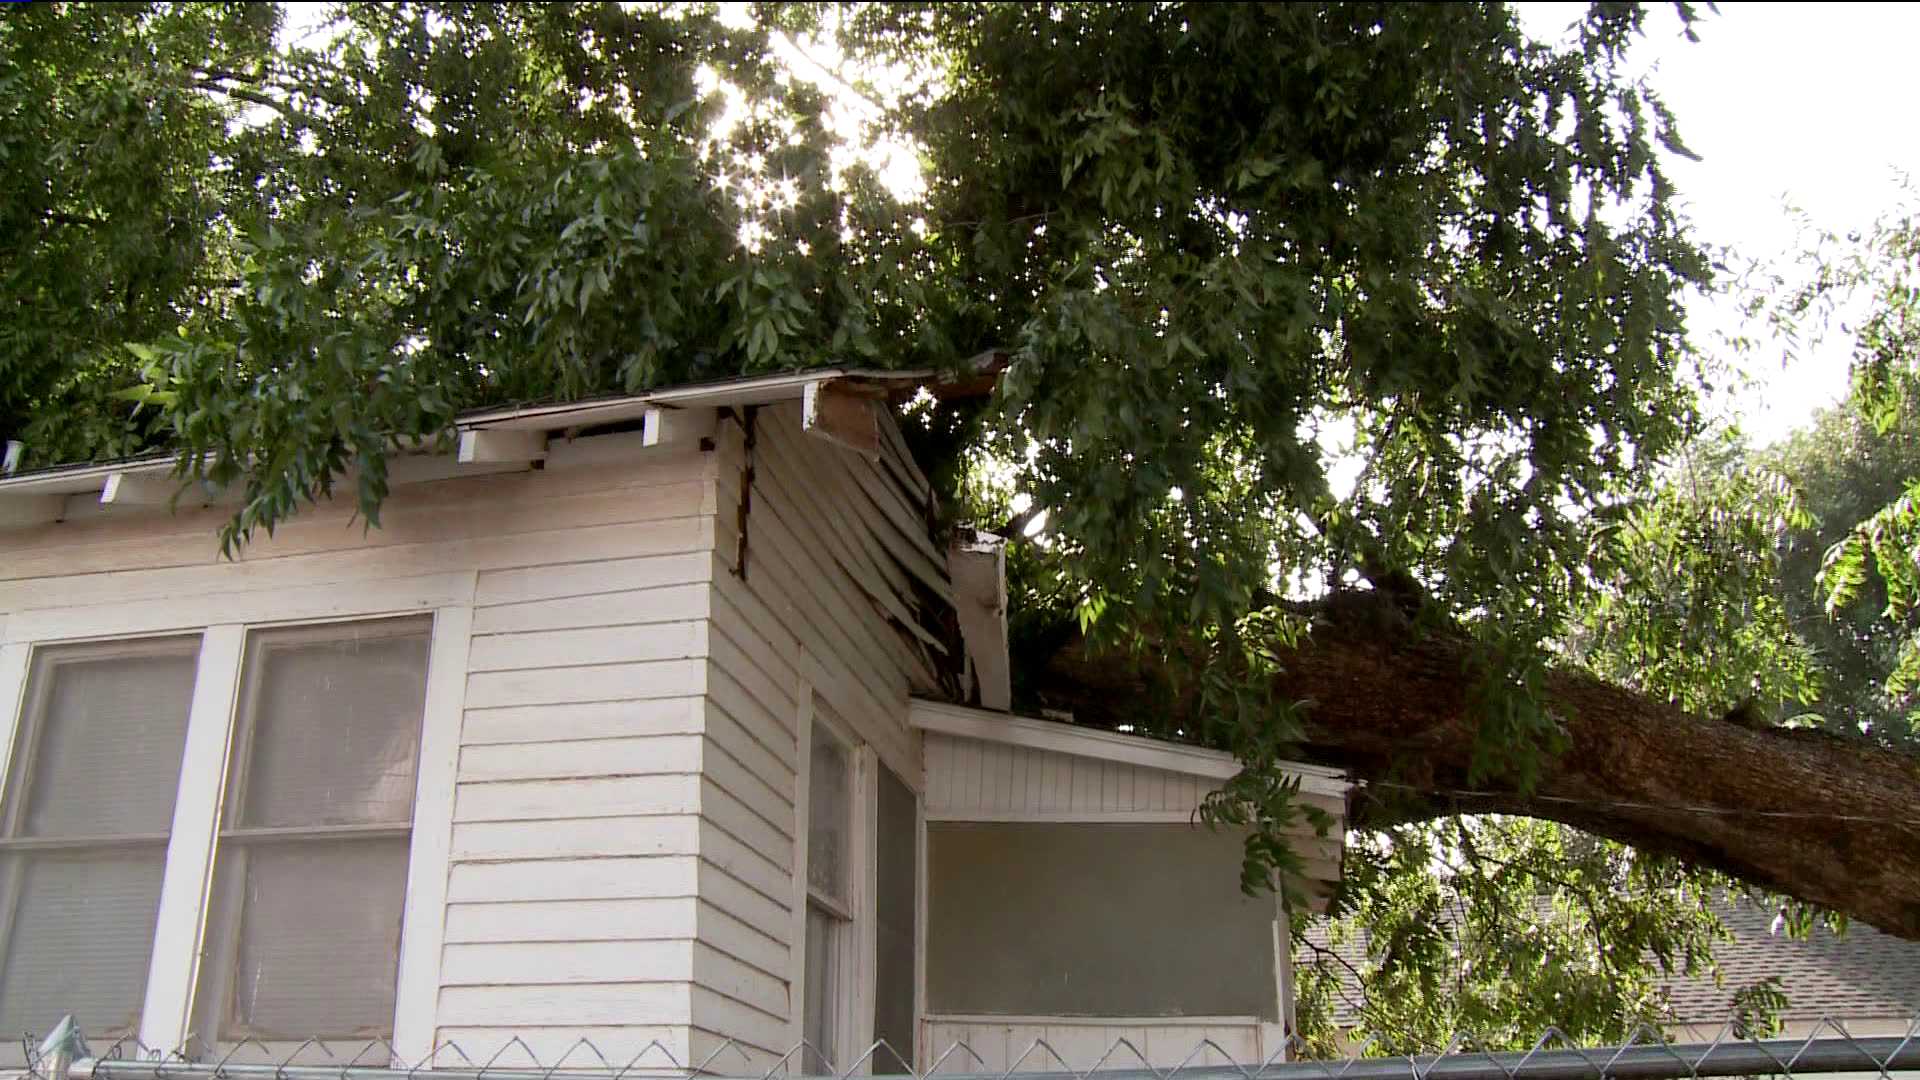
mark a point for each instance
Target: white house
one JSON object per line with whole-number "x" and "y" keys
{"x": 655, "y": 719}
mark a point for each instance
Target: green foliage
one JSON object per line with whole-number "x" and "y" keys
{"x": 1849, "y": 472}
{"x": 114, "y": 204}
{"x": 1863, "y": 465}
{"x": 1757, "y": 1008}
{"x": 1690, "y": 603}
{"x": 1214, "y": 233}
{"x": 1497, "y": 929}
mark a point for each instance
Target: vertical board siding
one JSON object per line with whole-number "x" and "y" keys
{"x": 833, "y": 554}
{"x": 576, "y": 851}
{"x": 967, "y": 777}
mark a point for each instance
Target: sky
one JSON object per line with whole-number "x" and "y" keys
{"x": 1807, "y": 103}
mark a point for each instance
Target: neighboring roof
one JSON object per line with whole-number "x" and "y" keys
{"x": 1862, "y": 974}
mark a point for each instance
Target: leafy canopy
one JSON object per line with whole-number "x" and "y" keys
{"x": 1214, "y": 239}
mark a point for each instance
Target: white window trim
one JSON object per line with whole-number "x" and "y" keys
{"x": 183, "y": 893}
{"x": 854, "y": 1029}
{"x": 922, "y": 1035}
{"x": 186, "y": 886}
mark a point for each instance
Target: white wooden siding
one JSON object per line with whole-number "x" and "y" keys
{"x": 570, "y": 842}
{"x": 570, "y": 895}
{"x": 833, "y": 540}
{"x": 983, "y": 781}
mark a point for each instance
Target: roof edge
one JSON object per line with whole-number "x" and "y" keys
{"x": 967, "y": 722}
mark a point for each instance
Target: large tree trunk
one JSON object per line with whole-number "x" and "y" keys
{"x": 1831, "y": 821}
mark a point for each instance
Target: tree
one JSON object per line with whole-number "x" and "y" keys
{"x": 1847, "y": 470}
{"x": 1213, "y": 240}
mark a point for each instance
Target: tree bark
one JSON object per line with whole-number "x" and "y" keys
{"x": 1832, "y": 821}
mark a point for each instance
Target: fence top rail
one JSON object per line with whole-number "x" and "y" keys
{"x": 1828, "y": 1049}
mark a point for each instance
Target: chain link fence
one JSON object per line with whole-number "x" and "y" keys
{"x": 1828, "y": 1050}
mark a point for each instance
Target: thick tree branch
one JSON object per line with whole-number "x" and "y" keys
{"x": 1832, "y": 821}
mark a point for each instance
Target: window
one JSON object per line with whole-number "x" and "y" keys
{"x": 310, "y": 875}
{"x": 830, "y": 911}
{"x": 205, "y": 839}
{"x": 1022, "y": 919}
{"x": 89, "y": 804}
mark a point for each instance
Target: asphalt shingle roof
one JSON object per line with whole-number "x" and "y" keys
{"x": 1863, "y": 973}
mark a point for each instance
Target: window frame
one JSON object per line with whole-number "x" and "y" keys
{"x": 859, "y": 944}
{"x": 223, "y": 916}
{"x": 183, "y": 918}
{"x": 854, "y": 941}
{"x": 23, "y": 736}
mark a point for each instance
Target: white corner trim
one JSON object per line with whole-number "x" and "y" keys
{"x": 429, "y": 860}
{"x": 963, "y": 722}
{"x": 174, "y": 967}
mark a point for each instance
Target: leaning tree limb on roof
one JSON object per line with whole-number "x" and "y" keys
{"x": 1829, "y": 820}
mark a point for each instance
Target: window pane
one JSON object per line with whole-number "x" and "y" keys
{"x": 1023, "y": 919}
{"x": 109, "y": 720}
{"x": 829, "y": 818}
{"x": 319, "y": 942}
{"x": 823, "y": 992}
{"x": 896, "y": 873}
{"x": 81, "y": 937}
{"x": 335, "y": 724}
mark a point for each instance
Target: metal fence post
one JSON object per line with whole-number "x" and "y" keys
{"x": 59, "y": 1049}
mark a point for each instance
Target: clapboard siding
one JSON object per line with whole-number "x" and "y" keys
{"x": 524, "y": 921}
{"x": 639, "y": 1048}
{"x": 816, "y": 607}
{"x": 584, "y": 721}
{"x": 571, "y": 900}
{"x": 600, "y": 878}
{"x": 571, "y": 581}
{"x": 577, "y": 837}
{"x": 650, "y": 486}
{"x": 559, "y": 962}
{"x": 626, "y": 607}
{"x": 550, "y": 543}
{"x": 741, "y": 936}
{"x": 535, "y": 1003}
